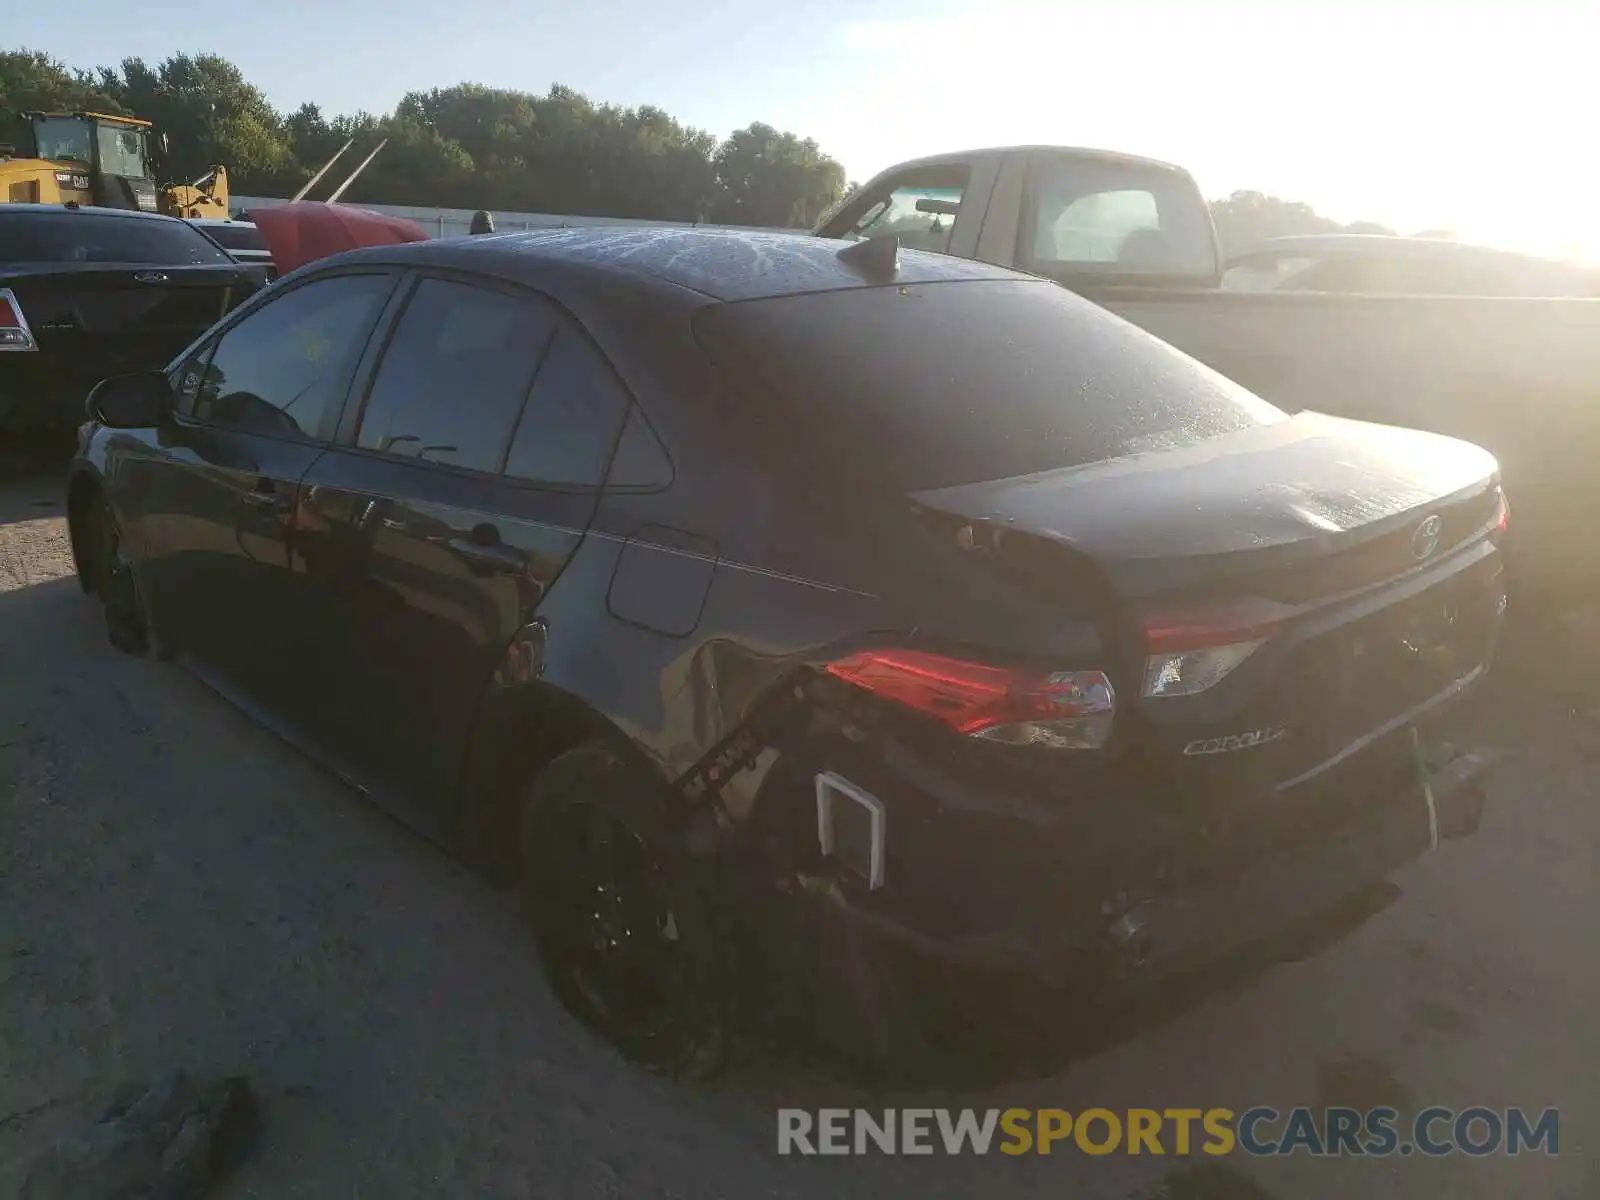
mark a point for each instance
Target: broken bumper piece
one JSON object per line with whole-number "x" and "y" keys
{"x": 1135, "y": 943}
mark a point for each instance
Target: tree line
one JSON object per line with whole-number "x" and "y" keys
{"x": 466, "y": 146}
{"x": 471, "y": 146}
{"x": 1248, "y": 217}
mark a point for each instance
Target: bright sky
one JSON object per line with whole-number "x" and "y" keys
{"x": 1472, "y": 115}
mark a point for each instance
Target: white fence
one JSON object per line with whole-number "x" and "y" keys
{"x": 457, "y": 222}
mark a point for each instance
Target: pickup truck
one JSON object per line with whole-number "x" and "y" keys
{"x": 1520, "y": 376}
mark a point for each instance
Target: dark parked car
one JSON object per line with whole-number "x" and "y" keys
{"x": 768, "y": 601}
{"x": 88, "y": 292}
{"x": 241, "y": 239}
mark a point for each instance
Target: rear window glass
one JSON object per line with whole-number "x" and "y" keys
{"x": 68, "y": 237}
{"x": 932, "y": 385}
{"x": 1116, "y": 218}
{"x": 236, "y": 237}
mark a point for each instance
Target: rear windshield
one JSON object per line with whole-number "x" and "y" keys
{"x": 1113, "y": 218}
{"x": 69, "y": 237}
{"x": 236, "y": 237}
{"x": 936, "y": 384}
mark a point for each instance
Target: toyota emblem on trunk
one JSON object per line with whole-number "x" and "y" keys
{"x": 151, "y": 277}
{"x": 1426, "y": 539}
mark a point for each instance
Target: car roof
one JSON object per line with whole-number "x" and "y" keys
{"x": 722, "y": 264}
{"x": 220, "y": 221}
{"x": 84, "y": 210}
{"x": 1116, "y": 156}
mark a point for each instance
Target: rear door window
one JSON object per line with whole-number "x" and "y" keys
{"x": 455, "y": 374}
{"x": 281, "y": 369}
{"x": 571, "y": 420}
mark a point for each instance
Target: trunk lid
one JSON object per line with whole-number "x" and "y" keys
{"x": 104, "y": 318}
{"x": 1323, "y": 544}
{"x": 1292, "y": 511}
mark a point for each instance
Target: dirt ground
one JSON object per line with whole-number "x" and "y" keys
{"x": 177, "y": 888}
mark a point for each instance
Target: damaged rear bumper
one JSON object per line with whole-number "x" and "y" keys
{"x": 1160, "y": 937}
{"x": 1135, "y": 941}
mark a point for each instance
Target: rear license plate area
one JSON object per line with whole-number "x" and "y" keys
{"x": 1356, "y": 678}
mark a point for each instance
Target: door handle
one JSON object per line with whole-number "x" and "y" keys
{"x": 267, "y": 498}
{"x": 487, "y": 558}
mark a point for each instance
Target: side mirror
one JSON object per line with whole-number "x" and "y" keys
{"x": 141, "y": 401}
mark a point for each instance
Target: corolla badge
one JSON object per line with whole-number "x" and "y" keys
{"x": 151, "y": 277}
{"x": 1237, "y": 741}
{"x": 1426, "y": 539}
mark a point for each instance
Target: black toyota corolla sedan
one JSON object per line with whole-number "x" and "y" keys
{"x": 772, "y": 608}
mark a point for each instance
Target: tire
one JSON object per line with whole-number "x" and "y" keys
{"x": 113, "y": 583}
{"x": 625, "y": 916}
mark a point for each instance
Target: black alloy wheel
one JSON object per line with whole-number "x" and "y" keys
{"x": 624, "y": 932}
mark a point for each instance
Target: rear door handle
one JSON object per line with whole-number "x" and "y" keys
{"x": 490, "y": 559}
{"x": 265, "y": 497}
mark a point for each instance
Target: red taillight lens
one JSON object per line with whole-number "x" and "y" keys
{"x": 1502, "y": 521}
{"x": 14, "y": 331}
{"x": 1060, "y": 710}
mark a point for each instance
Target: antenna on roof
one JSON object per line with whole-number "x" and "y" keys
{"x": 877, "y": 257}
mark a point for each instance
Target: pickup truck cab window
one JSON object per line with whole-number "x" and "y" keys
{"x": 1114, "y": 215}
{"x": 286, "y": 365}
{"x": 455, "y": 373}
{"x": 919, "y": 207}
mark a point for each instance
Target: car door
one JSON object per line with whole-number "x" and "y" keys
{"x": 426, "y": 556}
{"x": 256, "y": 404}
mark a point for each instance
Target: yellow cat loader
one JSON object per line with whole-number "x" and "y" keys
{"x": 97, "y": 159}
{"x": 205, "y": 197}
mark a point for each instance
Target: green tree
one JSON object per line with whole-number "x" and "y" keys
{"x": 208, "y": 114}
{"x": 774, "y": 179}
{"x": 31, "y": 80}
{"x": 1245, "y": 218}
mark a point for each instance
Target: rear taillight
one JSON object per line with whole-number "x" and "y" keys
{"x": 1502, "y": 520}
{"x": 1191, "y": 652}
{"x": 14, "y": 331}
{"x": 1061, "y": 710}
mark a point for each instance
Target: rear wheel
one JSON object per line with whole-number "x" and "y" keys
{"x": 112, "y": 581}
{"x": 623, "y": 914}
